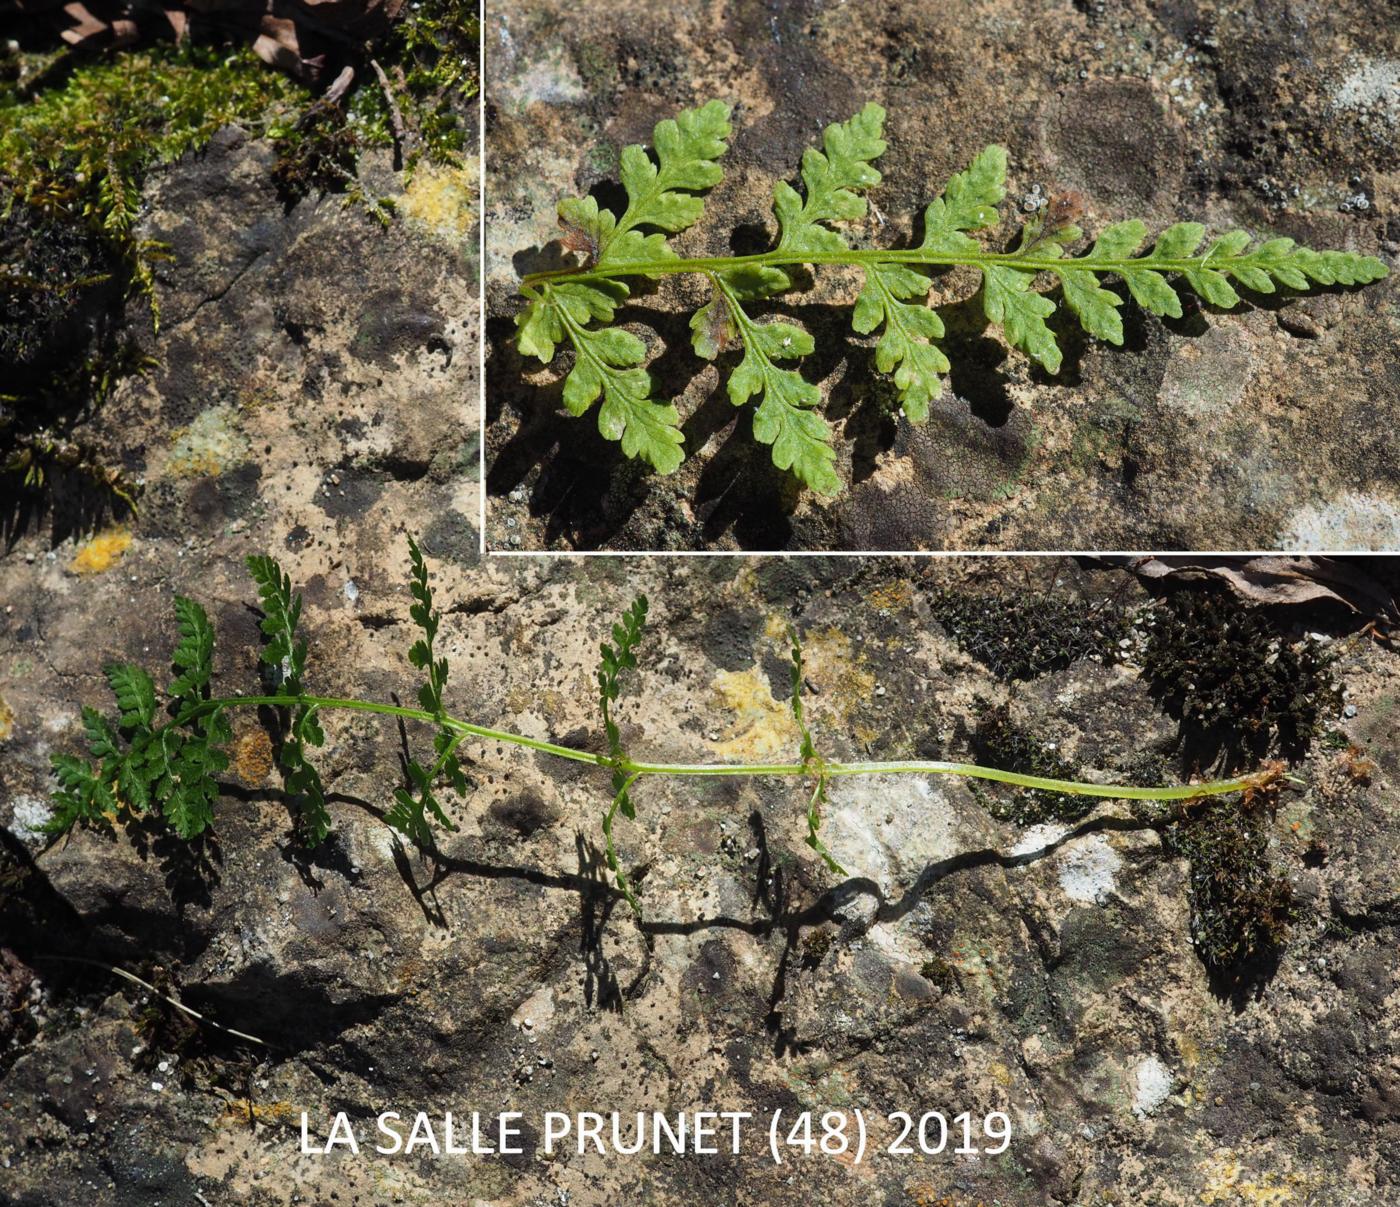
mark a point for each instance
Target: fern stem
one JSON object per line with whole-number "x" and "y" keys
{"x": 857, "y": 256}
{"x": 1179, "y": 792}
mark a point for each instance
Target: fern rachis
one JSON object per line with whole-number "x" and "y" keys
{"x": 162, "y": 759}
{"x": 575, "y": 305}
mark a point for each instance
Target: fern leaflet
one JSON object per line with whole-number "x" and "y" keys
{"x": 412, "y": 805}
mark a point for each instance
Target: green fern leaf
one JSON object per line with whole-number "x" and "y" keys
{"x": 613, "y": 660}
{"x": 1008, "y": 299}
{"x": 102, "y": 742}
{"x": 135, "y": 693}
{"x": 412, "y": 805}
{"x": 194, "y": 655}
{"x": 969, "y": 203}
{"x": 82, "y": 795}
{"x": 661, "y": 194}
{"x": 800, "y": 438}
{"x": 285, "y": 653}
{"x": 893, "y": 301}
{"x": 831, "y": 181}
{"x": 607, "y": 364}
{"x": 281, "y": 614}
{"x": 541, "y": 325}
{"x": 810, "y": 758}
{"x": 906, "y": 348}
{"x": 1149, "y": 288}
{"x": 1096, "y": 307}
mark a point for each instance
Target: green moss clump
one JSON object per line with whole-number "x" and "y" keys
{"x": 1240, "y": 909}
{"x": 1238, "y": 687}
{"x": 940, "y": 973}
{"x": 430, "y": 58}
{"x": 1000, "y": 742}
{"x": 1026, "y": 635}
{"x": 84, "y": 148}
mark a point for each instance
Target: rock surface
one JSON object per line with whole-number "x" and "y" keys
{"x": 1270, "y": 426}
{"x": 963, "y": 963}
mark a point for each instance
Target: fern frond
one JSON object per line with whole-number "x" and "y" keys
{"x": 833, "y": 182}
{"x": 194, "y": 655}
{"x": 810, "y": 759}
{"x": 660, "y": 195}
{"x": 613, "y": 660}
{"x": 576, "y": 304}
{"x": 285, "y": 653}
{"x": 415, "y": 804}
{"x": 135, "y": 693}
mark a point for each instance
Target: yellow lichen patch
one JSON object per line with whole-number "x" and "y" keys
{"x": 210, "y": 446}
{"x": 893, "y": 596}
{"x": 238, "y": 1110}
{"x": 442, "y": 199}
{"x": 844, "y": 686}
{"x": 252, "y": 757}
{"x": 7, "y": 720}
{"x": 760, "y": 727}
{"x": 101, "y": 552}
{"x": 1226, "y": 1181}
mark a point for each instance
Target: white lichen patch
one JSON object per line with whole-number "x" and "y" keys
{"x": 1207, "y": 378}
{"x": 1353, "y": 520}
{"x": 30, "y": 816}
{"x": 1152, "y": 1086}
{"x": 210, "y": 446}
{"x": 889, "y": 828}
{"x": 1038, "y": 838}
{"x": 1089, "y": 870}
{"x": 1371, "y": 84}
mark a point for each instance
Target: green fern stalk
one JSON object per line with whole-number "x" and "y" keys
{"x": 164, "y": 760}
{"x": 576, "y": 304}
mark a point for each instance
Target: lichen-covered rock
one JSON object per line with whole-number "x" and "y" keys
{"x": 967, "y": 962}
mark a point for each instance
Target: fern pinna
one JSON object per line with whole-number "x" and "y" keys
{"x": 576, "y": 304}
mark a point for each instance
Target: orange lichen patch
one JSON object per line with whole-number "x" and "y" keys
{"x": 240, "y": 1110}
{"x": 7, "y": 720}
{"x": 1358, "y": 767}
{"x": 101, "y": 552}
{"x": 252, "y": 757}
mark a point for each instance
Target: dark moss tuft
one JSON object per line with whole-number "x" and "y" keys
{"x": 1239, "y": 688}
{"x": 1240, "y": 909}
{"x": 938, "y": 971}
{"x": 1030, "y": 634}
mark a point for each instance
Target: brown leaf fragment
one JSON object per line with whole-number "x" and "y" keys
{"x": 1283, "y": 580}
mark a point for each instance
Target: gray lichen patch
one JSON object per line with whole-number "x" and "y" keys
{"x": 210, "y": 446}
{"x": 1351, "y": 520}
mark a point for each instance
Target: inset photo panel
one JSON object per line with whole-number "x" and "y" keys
{"x": 959, "y": 276}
